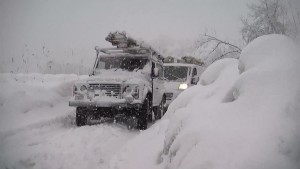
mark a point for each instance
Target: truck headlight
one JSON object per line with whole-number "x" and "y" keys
{"x": 83, "y": 88}
{"x": 183, "y": 86}
{"x": 74, "y": 90}
{"x": 128, "y": 89}
{"x": 79, "y": 91}
{"x": 132, "y": 90}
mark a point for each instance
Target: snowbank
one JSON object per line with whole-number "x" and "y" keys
{"x": 28, "y": 98}
{"x": 242, "y": 114}
{"x": 38, "y": 130}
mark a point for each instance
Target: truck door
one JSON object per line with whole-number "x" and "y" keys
{"x": 158, "y": 85}
{"x": 195, "y": 77}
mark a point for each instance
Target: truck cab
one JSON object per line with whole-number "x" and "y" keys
{"x": 126, "y": 80}
{"x": 178, "y": 77}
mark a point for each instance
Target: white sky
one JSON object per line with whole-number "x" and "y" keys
{"x": 66, "y": 25}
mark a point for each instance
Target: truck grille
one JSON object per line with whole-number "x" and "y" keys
{"x": 169, "y": 96}
{"x": 111, "y": 90}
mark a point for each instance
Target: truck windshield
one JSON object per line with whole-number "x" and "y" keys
{"x": 123, "y": 63}
{"x": 175, "y": 73}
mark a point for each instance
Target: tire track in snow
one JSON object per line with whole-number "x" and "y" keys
{"x": 59, "y": 143}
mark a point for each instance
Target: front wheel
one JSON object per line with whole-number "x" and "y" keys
{"x": 143, "y": 114}
{"x": 161, "y": 109}
{"x": 81, "y": 116}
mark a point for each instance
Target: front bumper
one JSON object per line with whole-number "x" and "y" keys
{"x": 120, "y": 103}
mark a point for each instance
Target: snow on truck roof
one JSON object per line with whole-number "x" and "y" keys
{"x": 127, "y": 45}
{"x": 129, "y": 52}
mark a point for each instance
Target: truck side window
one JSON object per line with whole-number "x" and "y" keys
{"x": 194, "y": 72}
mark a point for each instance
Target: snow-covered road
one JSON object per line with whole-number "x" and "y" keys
{"x": 43, "y": 134}
{"x": 60, "y": 144}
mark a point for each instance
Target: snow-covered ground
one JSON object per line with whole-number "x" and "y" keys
{"x": 37, "y": 128}
{"x": 30, "y": 98}
{"x": 243, "y": 114}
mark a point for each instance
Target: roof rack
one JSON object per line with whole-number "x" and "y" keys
{"x": 120, "y": 40}
{"x": 132, "y": 50}
{"x": 126, "y": 44}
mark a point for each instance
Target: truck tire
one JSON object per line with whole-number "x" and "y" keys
{"x": 143, "y": 114}
{"x": 81, "y": 117}
{"x": 160, "y": 109}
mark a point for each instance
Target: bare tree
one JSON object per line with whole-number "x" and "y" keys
{"x": 216, "y": 49}
{"x": 266, "y": 17}
{"x": 293, "y": 21}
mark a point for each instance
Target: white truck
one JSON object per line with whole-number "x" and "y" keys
{"x": 178, "y": 77}
{"x": 126, "y": 80}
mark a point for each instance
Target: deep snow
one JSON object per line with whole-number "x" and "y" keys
{"x": 242, "y": 114}
{"x": 37, "y": 128}
{"x": 33, "y": 98}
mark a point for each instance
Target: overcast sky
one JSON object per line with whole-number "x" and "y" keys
{"x": 77, "y": 25}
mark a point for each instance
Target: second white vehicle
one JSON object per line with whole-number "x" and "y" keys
{"x": 178, "y": 77}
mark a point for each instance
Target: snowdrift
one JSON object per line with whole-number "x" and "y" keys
{"x": 37, "y": 128}
{"x": 30, "y": 98}
{"x": 242, "y": 114}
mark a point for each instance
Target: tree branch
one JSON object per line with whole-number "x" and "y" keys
{"x": 234, "y": 51}
{"x": 224, "y": 42}
{"x": 214, "y": 48}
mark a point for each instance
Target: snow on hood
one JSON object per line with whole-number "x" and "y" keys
{"x": 118, "y": 76}
{"x": 242, "y": 115}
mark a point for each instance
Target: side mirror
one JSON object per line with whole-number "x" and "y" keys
{"x": 155, "y": 72}
{"x": 195, "y": 80}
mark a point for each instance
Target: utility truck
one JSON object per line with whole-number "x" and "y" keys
{"x": 178, "y": 77}
{"x": 125, "y": 80}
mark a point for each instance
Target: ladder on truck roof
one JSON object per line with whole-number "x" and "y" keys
{"x": 126, "y": 44}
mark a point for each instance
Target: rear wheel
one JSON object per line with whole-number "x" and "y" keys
{"x": 161, "y": 109}
{"x": 144, "y": 114}
{"x": 81, "y": 116}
